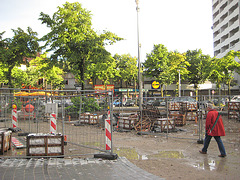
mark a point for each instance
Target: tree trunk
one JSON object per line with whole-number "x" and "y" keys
{"x": 82, "y": 67}
{"x": 196, "y": 90}
{"x": 229, "y": 89}
{"x": 9, "y": 77}
{"x": 162, "y": 90}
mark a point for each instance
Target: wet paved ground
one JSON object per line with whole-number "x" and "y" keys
{"x": 71, "y": 169}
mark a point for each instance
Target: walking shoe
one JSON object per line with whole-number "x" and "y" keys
{"x": 202, "y": 152}
{"x": 221, "y": 155}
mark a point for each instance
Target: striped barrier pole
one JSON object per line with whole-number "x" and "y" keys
{"x": 53, "y": 123}
{"x": 108, "y": 131}
{"x": 14, "y": 116}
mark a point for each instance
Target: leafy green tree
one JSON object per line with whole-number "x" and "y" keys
{"x": 15, "y": 51}
{"x": 72, "y": 38}
{"x": 163, "y": 65}
{"x": 32, "y": 76}
{"x": 198, "y": 71}
{"x": 222, "y": 70}
{"x": 19, "y": 77}
{"x": 127, "y": 67}
{"x": 3, "y": 79}
{"x": 88, "y": 105}
{"x": 178, "y": 64}
{"x": 54, "y": 77}
{"x": 105, "y": 69}
{"x": 42, "y": 68}
{"x": 157, "y": 65}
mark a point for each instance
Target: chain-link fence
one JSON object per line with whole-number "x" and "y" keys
{"x": 57, "y": 123}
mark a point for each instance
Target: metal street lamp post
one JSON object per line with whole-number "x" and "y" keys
{"x": 179, "y": 83}
{"x": 139, "y": 63}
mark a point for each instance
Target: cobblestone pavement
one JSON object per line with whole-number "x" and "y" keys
{"x": 71, "y": 169}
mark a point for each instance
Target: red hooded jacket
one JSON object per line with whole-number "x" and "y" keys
{"x": 218, "y": 130}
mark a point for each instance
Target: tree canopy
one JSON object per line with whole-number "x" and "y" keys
{"x": 127, "y": 68}
{"x": 15, "y": 51}
{"x": 42, "y": 68}
{"x": 164, "y": 65}
{"x": 222, "y": 70}
{"x": 73, "y": 38}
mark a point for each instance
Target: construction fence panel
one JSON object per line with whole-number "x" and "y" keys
{"x": 173, "y": 114}
{"x": 76, "y": 117}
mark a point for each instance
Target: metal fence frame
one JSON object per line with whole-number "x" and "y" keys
{"x": 83, "y": 130}
{"x": 86, "y": 138}
{"x": 220, "y": 103}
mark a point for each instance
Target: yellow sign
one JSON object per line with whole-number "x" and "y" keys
{"x": 155, "y": 85}
{"x": 14, "y": 106}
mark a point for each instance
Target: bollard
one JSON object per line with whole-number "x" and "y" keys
{"x": 53, "y": 123}
{"x": 14, "y": 116}
{"x": 109, "y": 155}
{"x": 108, "y": 132}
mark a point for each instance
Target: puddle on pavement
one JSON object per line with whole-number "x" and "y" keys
{"x": 211, "y": 165}
{"x": 131, "y": 153}
{"x": 168, "y": 154}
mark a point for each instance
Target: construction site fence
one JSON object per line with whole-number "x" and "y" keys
{"x": 55, "y": 123}
{"x": 167, "y": 115}
{"x": 72, "y": 123}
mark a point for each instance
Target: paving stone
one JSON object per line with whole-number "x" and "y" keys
{"x": 74, "y": 169}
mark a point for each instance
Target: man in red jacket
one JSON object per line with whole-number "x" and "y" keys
{"x": 216, "y": 132}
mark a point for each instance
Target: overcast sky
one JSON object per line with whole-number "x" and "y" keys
{"x": 177, "y": 24}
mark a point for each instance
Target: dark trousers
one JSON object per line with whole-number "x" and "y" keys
{"x": 207, "y": 141}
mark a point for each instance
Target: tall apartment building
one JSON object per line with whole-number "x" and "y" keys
{"x": 226, "y": 28}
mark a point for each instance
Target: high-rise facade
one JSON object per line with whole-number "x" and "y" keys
{"x": 226, "y": 28}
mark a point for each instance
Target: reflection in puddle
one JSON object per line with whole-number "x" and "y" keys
{"x": 211, "y": 165}
{"x": 144, "y": 157}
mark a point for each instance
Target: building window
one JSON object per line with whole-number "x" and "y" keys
{"x": 223, "y": 17}
{"x": 223, "y": 7}
{"x": 215, "y": 5}
{"x": 233, "y": 20}
{"x": 232, "y": 9}
{"x": 40, "y": 82}
{"x": 65, "y": 82}
{"x": 215, "y": 14}
{"x": 216, "y": 43}
{"x": 224, "y": 38}
{"x": 224, "y": 27}
{"x": 215, "y": 24}
{"x": 224, "y": 48}
{"x": 234, "y": 31}
{"x": 216, "y": 52}
{"x": 234, "y": 42}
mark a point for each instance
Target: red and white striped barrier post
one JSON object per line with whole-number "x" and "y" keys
{"x": 14, "y": 116}
{"x": 108, "y": 132}
{"x": 53, "y": 123}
